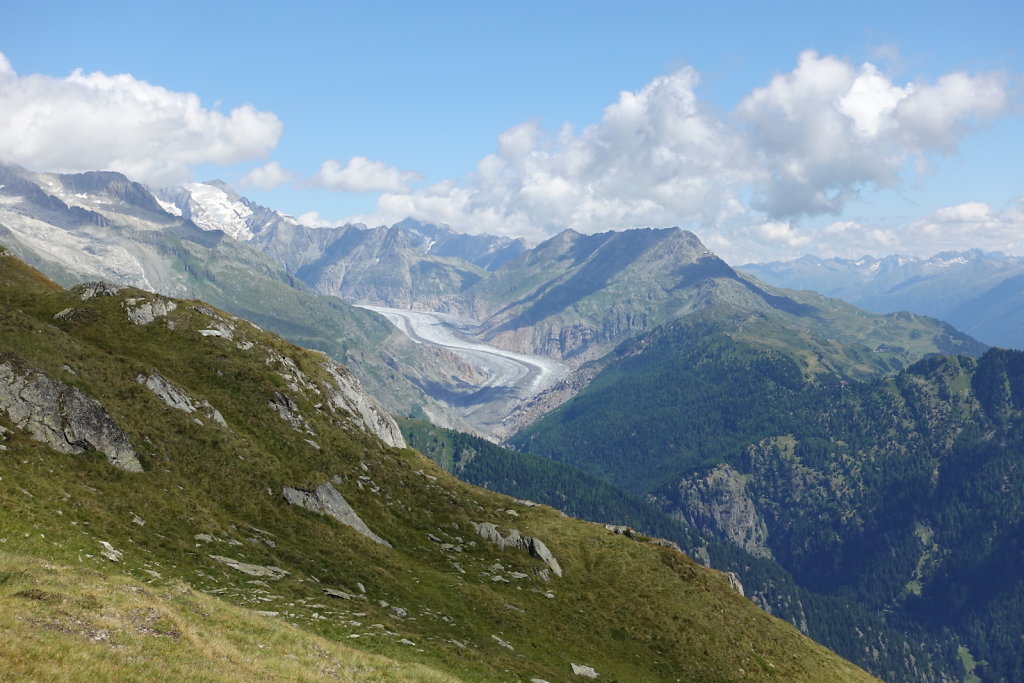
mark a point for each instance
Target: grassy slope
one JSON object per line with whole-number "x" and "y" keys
{"x": 62, "y": 622}
{"x": 632, "y": 611}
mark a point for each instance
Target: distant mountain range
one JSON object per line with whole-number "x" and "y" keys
{"x": 979, "y": 293}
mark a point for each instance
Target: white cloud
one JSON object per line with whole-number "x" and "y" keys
{"x": 362, "y": 175}
{"x": 971, "y": 225}
{"x": 827, "y": 129}
{"x": 656, "y": 157}
{"x": 92, "y": 121}
{"x": 780, "y": 233}
{"x": 974, "y": 223}
{"x": 804, "y": 144}
{"x": 267, "y": 177}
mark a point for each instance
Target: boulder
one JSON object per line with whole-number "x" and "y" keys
{"x": 583, "y": 670}
{"x": 88, "y": 290}
{"x": 325, "y": 500}
{"x": 144, "y": 311}
{"x": 61, "y": 416}
{"x": 272, "y": 573}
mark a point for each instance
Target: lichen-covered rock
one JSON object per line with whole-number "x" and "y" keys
{"x": 178, "y": 399}
{"x": 325, "y": 500}
{"x": 143, "y": 311}
{"x": 514, "y": 539}
{"x": 61, "y": 416}
{"x": 344, "y": 393}
{"x": 719, "y": 502}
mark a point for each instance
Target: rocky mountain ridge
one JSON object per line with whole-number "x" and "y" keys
{"x": 979, "y": 293}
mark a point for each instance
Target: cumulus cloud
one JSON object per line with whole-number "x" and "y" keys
{"x": 656, "y": 157}
{"x": 804, "y": 144}
{"x": 362, "y": 175}
{"x": 267, "y": 177}
{"x": 828, "y": 129}
{"x": 92, "y": 121}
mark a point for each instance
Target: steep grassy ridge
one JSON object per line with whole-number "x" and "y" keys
{"x": 208, "y": 508}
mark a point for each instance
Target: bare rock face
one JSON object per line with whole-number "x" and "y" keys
{"x": 719, "y": 502}
{"x": 514, "y": 539}
{"x": 61, "y": 416}
{"x": 178, "y": 399}
{"x": 344, "y": 393}
{"x": 325, "y": 500}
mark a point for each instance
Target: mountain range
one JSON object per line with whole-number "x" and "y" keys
{"x": 572, "y": 298}
{"x": 977, "y": 292}
{"x": 839, "y": 462}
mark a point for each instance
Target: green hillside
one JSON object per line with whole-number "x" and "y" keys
{"x": 903, "y": 495}
{"x": 238, "y": 436}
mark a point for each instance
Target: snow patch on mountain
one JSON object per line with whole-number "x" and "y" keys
{"x": 212, "y": 208}
{"x": 169, "y": 207}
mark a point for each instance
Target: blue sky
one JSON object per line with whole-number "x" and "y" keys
{"x": 511, "y": 118}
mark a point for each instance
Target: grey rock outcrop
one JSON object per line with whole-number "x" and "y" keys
{"x": 89, "y": 290}
{"x": 344, "y": 393}
{"x": 61, "y": 416}
{"x": 583, "y": 670}
{"x": 514, "y": 539}
{"x": 286, "y": 407}
{"x": 325, "y": 500}
{"x": 269, "y": 572}
{"x": 719, "y": 502}
{"x": 178, "y": 399}
{"x": 734, "y": 582}
{"x": 143, "y": 311}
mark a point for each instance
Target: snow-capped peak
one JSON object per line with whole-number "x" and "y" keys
{"x": 213, "y": 209}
